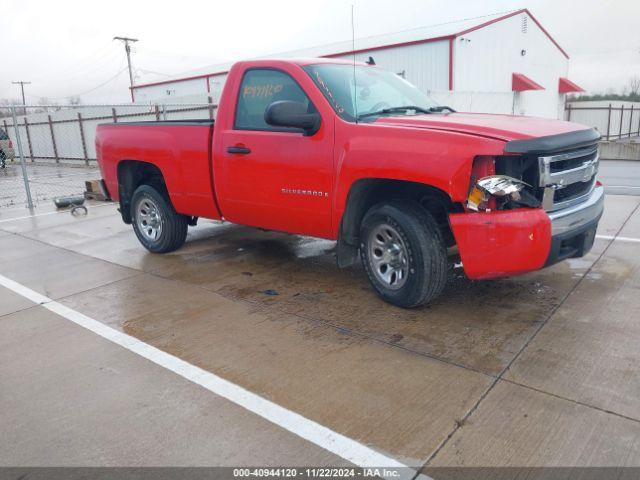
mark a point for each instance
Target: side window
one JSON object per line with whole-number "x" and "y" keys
{"x": 259, "y": 89}
{"x": 3, "y": 135}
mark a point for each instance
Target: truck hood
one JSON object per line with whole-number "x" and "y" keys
{"x": 501, "y": 127}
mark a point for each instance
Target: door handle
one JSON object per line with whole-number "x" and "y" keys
{"x": 239, "y": 150}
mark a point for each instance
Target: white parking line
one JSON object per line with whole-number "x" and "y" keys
{"x": 618, "y": 239}
{"x": 50, "y": 213}
{"x": 334, "y": 442}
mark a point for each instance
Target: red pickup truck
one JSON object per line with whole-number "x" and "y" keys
{"x": 357, "y": 154}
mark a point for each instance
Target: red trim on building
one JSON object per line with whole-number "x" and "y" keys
{"x": 451, "y": 40}
{"x": 513, "y": 14}
{"x": 547, "y": 34}
{"x": 491, "y": 22}
{"x": 392, "y": 45}
{"x": 450, "y": 37}
{"x": 521, "y": 83}
{"x": 567, "y": 86}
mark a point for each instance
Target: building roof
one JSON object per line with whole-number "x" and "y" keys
{"x": 432, "y": 33}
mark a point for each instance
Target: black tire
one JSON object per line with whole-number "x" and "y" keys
{"x": 3, "y": 159}
{"x": 422, "y": 275}
{"x": 172, "y": 231}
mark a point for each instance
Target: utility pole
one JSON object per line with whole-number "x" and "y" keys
{"x": 127, "y": 48}
{"x": 22, "y": 84}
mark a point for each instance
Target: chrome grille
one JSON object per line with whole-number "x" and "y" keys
{"x": 567, "y": 178}
{"x": 573, "y": 190}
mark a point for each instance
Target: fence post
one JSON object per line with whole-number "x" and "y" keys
{"x": 6, "y": 129}
{"x": 631, "y": 120}
{"x": 26, "y": 127}
{"x": 53, "y": 140}
{"x": 84, "y": 143}
{"x": 157, "y": 113}
{"x": 114, "y": 115}
{"x": 609, "y": 123}
{"x": 569, "y": 113}
{"x": 210, "y": 101}
{"x": 621, "y": 118}
{"x": 23, "y": 165}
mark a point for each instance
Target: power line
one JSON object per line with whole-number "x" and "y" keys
{"x": 86, "y": 91}
{"x": 144, "y": 70}
{"x": 88, "y": 67}
{"x": 112, "y": 85}
{"x": 101, "y": 85}
{"x": 22, "y": 84}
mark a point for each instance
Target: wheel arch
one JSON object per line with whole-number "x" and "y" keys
{"x": 132, "y": 174}
{"x": 367, "y": 192}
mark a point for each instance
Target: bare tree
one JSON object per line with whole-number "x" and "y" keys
{"x": 75, "y": 100}
{"x": 45, "y": 103}
{"x": 633, "y": 86}
{"x": 10, "y": 102}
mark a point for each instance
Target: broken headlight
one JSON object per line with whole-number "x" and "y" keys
{"x": 505, "y": 189}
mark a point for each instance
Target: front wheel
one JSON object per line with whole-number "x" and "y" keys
{"x": 403, "y": 253}
{"x": 158, "y": 226}
{"x": 3, "y": 159}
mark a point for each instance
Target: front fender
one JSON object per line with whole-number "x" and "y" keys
{"x": 439, "y": 159}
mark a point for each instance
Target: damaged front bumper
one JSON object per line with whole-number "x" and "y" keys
{"x": 573, "y": 229}
{"x": 511, "y": 242}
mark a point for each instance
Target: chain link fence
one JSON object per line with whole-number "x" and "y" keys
{"x": 49, "y": 151}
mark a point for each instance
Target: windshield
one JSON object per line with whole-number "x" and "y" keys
{"x": 376, "y": 92}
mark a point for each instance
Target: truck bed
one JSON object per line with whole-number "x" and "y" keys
{"x": 180, "y": 149}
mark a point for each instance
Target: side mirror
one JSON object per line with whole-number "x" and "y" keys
{"x": 286, "y": 113}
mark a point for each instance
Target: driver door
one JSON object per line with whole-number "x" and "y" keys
{"x": 273, "y": 177}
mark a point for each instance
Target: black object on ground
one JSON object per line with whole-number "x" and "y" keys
{"x": 64, "y": 202}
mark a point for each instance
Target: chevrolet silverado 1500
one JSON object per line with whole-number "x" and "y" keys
{"x": 357, "y": 154}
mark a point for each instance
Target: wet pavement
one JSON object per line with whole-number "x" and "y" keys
{"x": 620, "y": 177}
{"x": 535, "y": 370}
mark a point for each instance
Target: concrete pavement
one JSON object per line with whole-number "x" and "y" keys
{"x": 620, "y": 177}
{"x": 534, "y": 370}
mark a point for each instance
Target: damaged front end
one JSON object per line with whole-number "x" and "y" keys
{"x": 509, "y": 193}
{"x": 503, "y": 182}
{"x": 503, "y": 231}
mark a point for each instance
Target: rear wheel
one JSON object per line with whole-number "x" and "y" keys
{"x": 403, "y": 253}
{"x": 3, "y": 159}
{"x": 158, "y": 226}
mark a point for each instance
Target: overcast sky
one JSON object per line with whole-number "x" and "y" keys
{"x": 65, "y": 47}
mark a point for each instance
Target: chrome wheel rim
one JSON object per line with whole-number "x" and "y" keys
{"x": 148, "y": 219}
{"x": 388, "y": 256}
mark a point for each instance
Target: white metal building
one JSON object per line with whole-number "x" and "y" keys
{"x": 497, "y": 64}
